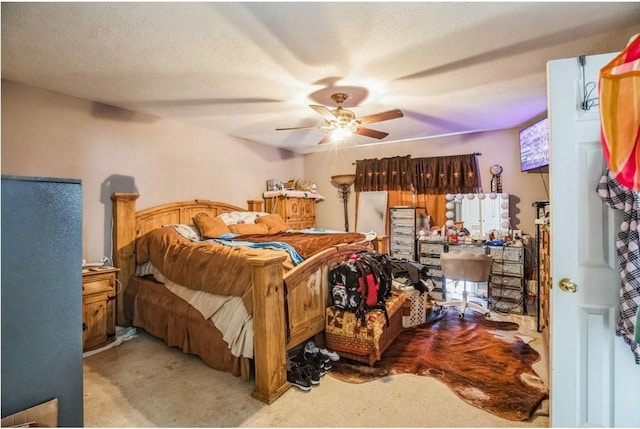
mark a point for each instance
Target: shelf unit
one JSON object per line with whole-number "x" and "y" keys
{"x": 429, "y": 255}
{"x": 507, "y": 286}
{"x": 543, "y": 241}
{"x": 403, "y": 231}
{"x": 544, "y": 279}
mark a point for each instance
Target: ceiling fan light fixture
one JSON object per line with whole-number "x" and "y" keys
{"x": 342, "y": 123}
{"x": 340, "y": 134}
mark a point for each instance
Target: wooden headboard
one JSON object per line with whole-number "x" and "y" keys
{"x": 129, "y": 225}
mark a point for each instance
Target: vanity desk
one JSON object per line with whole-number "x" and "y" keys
{"x": 506, "y": 287}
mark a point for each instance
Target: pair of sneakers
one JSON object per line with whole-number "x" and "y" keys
{"x": 298, "y": 376}
{"x": 319, "y": 360}
{"x": 305, "y": 368}
{"x": 302, "y": 372}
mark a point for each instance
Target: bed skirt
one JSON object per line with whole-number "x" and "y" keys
{"x": 149, "y": 305}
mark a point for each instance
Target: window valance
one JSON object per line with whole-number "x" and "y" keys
{"x": 430, "y": 176}
{"x": 446, "y": 174}
{"x": 386, "y": 174}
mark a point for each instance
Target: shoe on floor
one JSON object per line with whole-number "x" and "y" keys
{"x": 311, "y": 347}
{"x": 305, "y": 357}
{"x": 312, "y": 372}
{"x": 330, "y": 354}
{"x": 297, "y": 377}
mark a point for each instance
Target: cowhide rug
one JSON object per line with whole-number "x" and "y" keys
{"x": 484, "y": 362}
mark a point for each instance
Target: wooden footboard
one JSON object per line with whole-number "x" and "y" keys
{"x": 307, "y": 292}
{"x": 288, "y": 308}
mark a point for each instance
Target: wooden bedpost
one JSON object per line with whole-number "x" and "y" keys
{"x": 269, "y": 328}
{"x": 124, "y": 236}
{"x": 381, "y": 244}
{"x": 254, "y": 205}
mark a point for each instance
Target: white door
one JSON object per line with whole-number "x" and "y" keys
{"x": 594, "y": 379}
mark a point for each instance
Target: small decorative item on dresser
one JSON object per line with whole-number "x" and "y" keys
{"x": 274, "y": 185}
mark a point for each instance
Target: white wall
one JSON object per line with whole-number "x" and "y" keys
{"x": 52, "y": 135}
{"x": 498, "y": 147}
{"x": 110, "y": 149}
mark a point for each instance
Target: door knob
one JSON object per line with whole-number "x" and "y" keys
{"x": 567, "y": 285}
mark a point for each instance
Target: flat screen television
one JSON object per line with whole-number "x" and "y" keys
{"x": 534, "y": 147}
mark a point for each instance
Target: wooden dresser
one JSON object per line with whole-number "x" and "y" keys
{"x": 544, "y": 249}
{"x": 299, "y": 213}
{"x": 98, "y": 307}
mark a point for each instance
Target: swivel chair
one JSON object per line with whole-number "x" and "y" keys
{"x": 466, "y": 266}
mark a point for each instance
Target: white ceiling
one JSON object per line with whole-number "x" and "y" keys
{"x": 248, "y": 68}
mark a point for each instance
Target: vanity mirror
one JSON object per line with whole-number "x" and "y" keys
{"x": 479, "y": 213}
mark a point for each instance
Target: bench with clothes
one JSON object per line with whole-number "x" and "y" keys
{"x": 413, "y": 279}
{"x": 345, "y": 333}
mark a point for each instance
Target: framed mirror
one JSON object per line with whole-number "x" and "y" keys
{"x": 372, "y": 212}
{"x": 479, "y": 213}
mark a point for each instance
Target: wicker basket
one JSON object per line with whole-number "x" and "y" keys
{"x": 345, "y": 334}
{"x": 418, "y": 304}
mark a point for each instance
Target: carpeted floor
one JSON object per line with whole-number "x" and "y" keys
{"x": 144, "y": 383}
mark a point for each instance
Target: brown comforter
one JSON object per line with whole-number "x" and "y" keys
{"x": 305, "y": 244}
{"x": 219, "y": 269}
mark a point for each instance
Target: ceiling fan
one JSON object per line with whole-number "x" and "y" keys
{"x": 341, "y": 122}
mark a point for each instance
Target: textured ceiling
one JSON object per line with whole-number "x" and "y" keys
{"x": 248, "y": 68}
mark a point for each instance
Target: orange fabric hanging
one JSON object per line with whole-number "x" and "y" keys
{"x": 619, "y": 88}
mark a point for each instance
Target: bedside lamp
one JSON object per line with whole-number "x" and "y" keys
{"x": 344, "y": 182}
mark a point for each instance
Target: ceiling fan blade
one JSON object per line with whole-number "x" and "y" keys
{"x": 368, "y": 132}
{"x": 325, "y": 139}
{"x": 379, "y": 117}
{"x": 322, "y": 110}
{"x": 297, "y": 128}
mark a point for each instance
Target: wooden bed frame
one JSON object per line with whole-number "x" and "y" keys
{"x": 288, "y": 308}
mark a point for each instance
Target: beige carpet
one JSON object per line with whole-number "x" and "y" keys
{"x": 144, "y": 383}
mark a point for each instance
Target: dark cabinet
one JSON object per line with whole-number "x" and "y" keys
{"x": 42, "y": 296}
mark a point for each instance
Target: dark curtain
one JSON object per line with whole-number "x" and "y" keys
{"x": 446, "y": 174}
{"x": 386, "y": 174}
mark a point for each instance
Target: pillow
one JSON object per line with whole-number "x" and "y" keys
{"x": 249, "y": 228}
{"x": 274, "y": 222}
{"x": 188, "y": 231}
{"x": 231, "y": 218}
{"x": 210, "y": 227}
